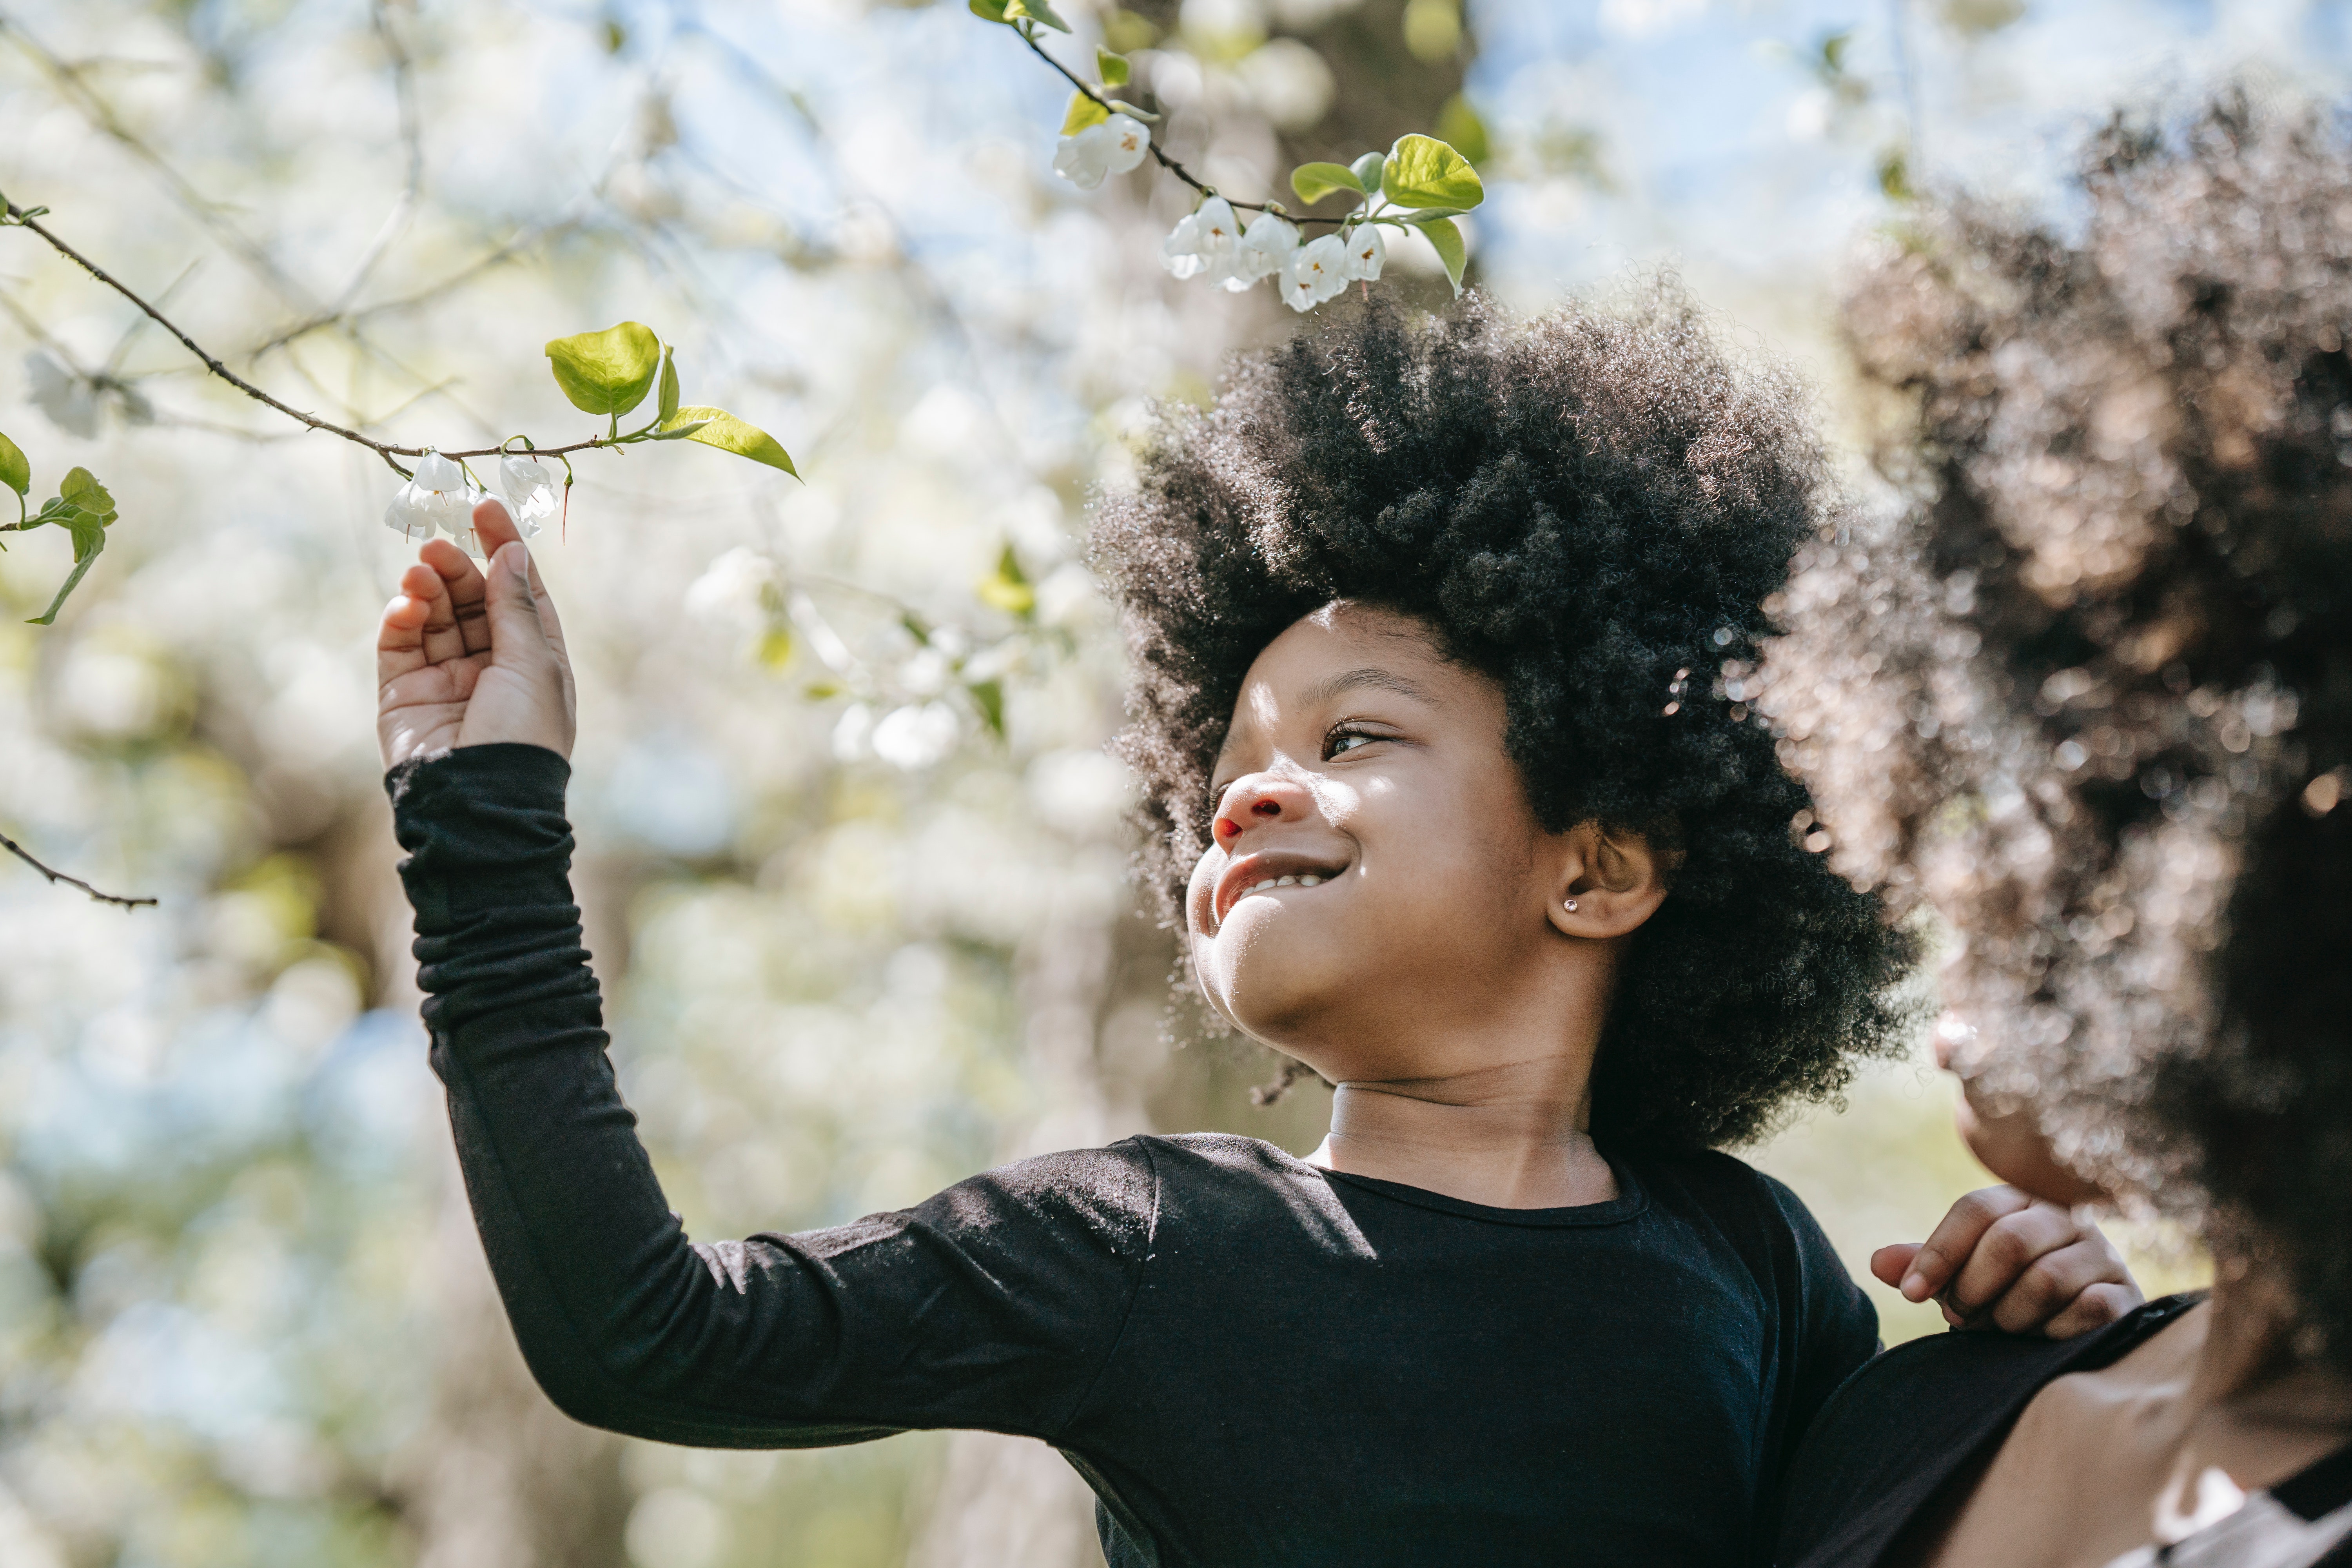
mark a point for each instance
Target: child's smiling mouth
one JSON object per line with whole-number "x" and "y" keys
{"x": 1266, "y": 872}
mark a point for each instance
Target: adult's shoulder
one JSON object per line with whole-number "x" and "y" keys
{"x": 1903, "y": 1424}
{"x": 1722, "y": 1185}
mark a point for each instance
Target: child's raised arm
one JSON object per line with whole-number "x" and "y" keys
{"x": 995, "y": 1304}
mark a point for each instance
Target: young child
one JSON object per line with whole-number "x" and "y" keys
{"x": 1425, "y": 622}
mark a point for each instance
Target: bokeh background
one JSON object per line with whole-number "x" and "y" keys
{"x": 852, "y": 859}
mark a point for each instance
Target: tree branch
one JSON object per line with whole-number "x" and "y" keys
{"x": 17, "y": 217}
{"x": 1170, "y": 164}
{"x": 56, "y": 876}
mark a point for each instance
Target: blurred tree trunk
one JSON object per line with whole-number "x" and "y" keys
{"x": 1011, "y": 1503}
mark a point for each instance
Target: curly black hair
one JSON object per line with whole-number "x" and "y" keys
{"x": 2091, "y": 692}
{"x": 1589, "y": 507}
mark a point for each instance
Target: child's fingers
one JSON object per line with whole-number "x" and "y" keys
{"x": 1889, "y": 1264}
{"x": 2056, "y": 1280}
{"x": 425, "y": 586}
{"x": 1956, "y": 1237}
{"x": 463, "y": 581}
{"x": 2094, "y": 1309}
{"x": 2006, "y": 1255}
{"x": 400, "y": 637}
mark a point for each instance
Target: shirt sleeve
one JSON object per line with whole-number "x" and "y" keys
{"x": 1830, "y": 1331}
{"x": 993, "y": 1304}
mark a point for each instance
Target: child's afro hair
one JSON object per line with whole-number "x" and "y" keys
{"x": 1588, "y": 507}
{"x": 2091, "y": 692}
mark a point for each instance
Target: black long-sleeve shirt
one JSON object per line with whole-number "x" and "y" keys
{"x": 1252, "y": 1361}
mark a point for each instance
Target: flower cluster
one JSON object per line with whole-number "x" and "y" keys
{"x": 1211, "y": 243}
{"x": 441, "y": 497}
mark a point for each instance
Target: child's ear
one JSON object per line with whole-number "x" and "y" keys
{"x": 1605, "y": 884}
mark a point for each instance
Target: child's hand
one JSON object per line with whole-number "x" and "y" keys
{"x": 2006, "y": 1260}
{"x": 468, "y": 656}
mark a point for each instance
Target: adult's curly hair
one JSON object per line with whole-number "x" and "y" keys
{"x": 2091, "y": 691}
{"x": 1589, "y": 507}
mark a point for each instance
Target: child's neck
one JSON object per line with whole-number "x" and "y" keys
{"x": 1510, "y": 1136}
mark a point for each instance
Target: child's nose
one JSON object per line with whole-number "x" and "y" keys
{"x": 1260, "y": 799}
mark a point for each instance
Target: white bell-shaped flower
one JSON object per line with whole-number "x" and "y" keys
{"x": 529, "y": 492}
{"x": 1367, "y": 254}
{"x": 1203, "y": 241}
{"x": 1264, "y": 252}
{"x": 435, "y": 497}
{"x": 1317, "y": 271}
{"x": 1113, "y": 147}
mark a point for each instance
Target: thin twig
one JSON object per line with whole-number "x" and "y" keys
{"x": 1170, "y": 164}
{"x": 56, "y": 876}
{"x": 18, "y": 217}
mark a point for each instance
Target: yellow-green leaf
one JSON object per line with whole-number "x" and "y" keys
{"x": 15, "y": 471}
{"x": 1313, "y": 181}
{"x": 728, "y": 434}
{"x": 776, "y": 647}
{"x": 608, "y": 372}
{"x": 665, "y": 401}
{"x": 1450, "y": 249}
{"x": 988, "y": 696}
{"x": 1367, "y": 170}
{"x": 1111, "y": 68}
{"x": 1037, "y": 11}
{"x": 1422, "y": 172}
{"x": 987, "y": 10}
{"x": 1084, "y": 112}
{"x": 82, "y": 489}
{"x": 1008, "y": 588}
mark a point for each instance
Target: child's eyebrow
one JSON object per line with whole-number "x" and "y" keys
{"x": 1359, "y": 679}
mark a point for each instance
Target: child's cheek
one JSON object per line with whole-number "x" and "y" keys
{"x": 1200, "y": 892}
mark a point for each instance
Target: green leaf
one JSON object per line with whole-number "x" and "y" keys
{"x": 721, "y": 429}
{"x": 667, "y": 400}
{"x": 1313, "y": 181}
{"x": 1367, "y": 170}
{"x": 1422, "y": 172}
{"x": 16, "y": 471}
{"x": 987, "y": 10}
{"x": 1449, "y": 250}
{"x": 1111, "y": 68}
{"x": 1037, "y": 11}
{"x": 1424, "y": 215}
{"x": 683, "y": 430}
{"x": 988, "y": 696}
{"x": 608, "y": 372}
{"x": 89, "y": 531}
{"x": 1084, "y": 112}
{"x": 1008, "y": 588}
{"x": 81, "y": 489}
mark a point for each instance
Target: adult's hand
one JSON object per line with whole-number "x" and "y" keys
{"x": 471, "y": 656}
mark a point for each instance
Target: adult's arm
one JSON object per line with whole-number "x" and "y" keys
{"x": 994, "y": 1304}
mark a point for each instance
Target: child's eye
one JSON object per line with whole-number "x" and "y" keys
{"x": 1345, "y": 739}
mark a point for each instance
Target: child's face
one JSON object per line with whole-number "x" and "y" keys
{"x": 1372, "y": 771}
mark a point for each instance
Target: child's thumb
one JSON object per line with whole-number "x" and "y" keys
{"x": 515, "y": 629}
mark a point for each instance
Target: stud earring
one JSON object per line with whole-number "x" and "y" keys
{"x": 1568, "y": 904}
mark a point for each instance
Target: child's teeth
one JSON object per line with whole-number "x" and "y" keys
{"x": 1285, "y": 881}
{"x": 1308, "y": 881}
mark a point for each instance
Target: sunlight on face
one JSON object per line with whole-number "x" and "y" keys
{"x": 1373, "y": 867}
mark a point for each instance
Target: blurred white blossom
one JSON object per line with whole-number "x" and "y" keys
{"x": 1113, "y": 147}
{"x": 69, "y": 401}
{"x": 437, "y": 497}
{"x": 1203, "y": 242}
{"x": 853, "y": 733}
{"x": 913, "y": 738}
{"x": 739, "y": 590}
